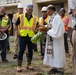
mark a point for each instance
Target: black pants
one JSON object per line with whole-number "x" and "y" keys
{"x": 66, "y": 42}
{"x": 71, "y": 39}
{"x": 23, "y": 42}
{"x": 35, "y": 47}
{"x": 8, "y": 44}
{"x": 42, "y": 46}
{"x": 3, "y": 46}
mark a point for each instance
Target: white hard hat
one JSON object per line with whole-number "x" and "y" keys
{"x": 20, "y": 6}
{"x": 44, "y": 9}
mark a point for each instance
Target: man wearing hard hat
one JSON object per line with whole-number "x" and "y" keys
{"x": 43, "y": 21}
{"x": 20, "y": 11}
{"x": 27, "y": 24}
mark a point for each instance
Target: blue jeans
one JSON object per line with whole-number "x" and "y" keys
{"x": 3, "y": 45}
{"x": 23, "y": 41}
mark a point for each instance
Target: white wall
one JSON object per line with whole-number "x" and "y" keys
{"x": 25, "y": 3}
{"x": 9, "y": 10}
{"x": 66, "y": 7}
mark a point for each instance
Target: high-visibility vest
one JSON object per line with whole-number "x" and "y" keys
{"x": 41, "y": 20}
{"x": 27, "y": 27}
{"x": 66, "y": 21}
{"x": 4, "y": 21}
{"x": 16, "y": 16}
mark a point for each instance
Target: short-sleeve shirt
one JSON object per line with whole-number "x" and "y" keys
{"x": 18, "y": 20}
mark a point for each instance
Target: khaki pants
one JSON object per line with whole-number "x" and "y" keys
{"x": 17, "y": 45}
{"x": 74, "y": 51}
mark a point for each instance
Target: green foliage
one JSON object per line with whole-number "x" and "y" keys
{"x": 36, "y": 37}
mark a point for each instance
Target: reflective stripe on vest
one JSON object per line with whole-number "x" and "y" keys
{"x": 41, "y": 20}
{"x": 27, "y": 28}
{"x": 4, "y": 21}
{"x": 16, "y": 16}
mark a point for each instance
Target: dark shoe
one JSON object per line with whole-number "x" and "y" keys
{"x": 15, "y": 56}
{"x": 66, "y": 52}
{"x": 60, "y": 72}
{"x": 4, "y": 60}
{"x": 35, "y": 50}
{"x": 53, "y": 71}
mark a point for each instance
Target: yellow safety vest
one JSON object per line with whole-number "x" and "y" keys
{"x": 4, "y": 21}
{"x": 27, "y": 27}
{"x": 16, "y": 16}
{"x": 41, "y": 20}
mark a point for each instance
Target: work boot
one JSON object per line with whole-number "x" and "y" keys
{"x": 5, "y": 60}
{"x": 53, "y": 71}
{"x": 19, "y": 69}
{"x": 15, "y": 56}
{"x": 29, "y": 65}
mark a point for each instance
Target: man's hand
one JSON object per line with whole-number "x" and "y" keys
{"x": 36, "y": 30}
{"x": 44, "y": 29}
{"x": 2, "y": 31}
{"x": 74, "y": 12}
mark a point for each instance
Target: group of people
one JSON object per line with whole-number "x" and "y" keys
{"x": 54, "y": 26}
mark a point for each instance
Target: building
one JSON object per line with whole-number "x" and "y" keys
{"x": 11, "y": 6}
{"x": 38, "y": 4}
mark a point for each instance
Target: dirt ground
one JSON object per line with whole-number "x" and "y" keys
{"x": 40, "y": 69}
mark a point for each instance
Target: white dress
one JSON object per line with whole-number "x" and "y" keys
{"x": 58, "y": 59}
